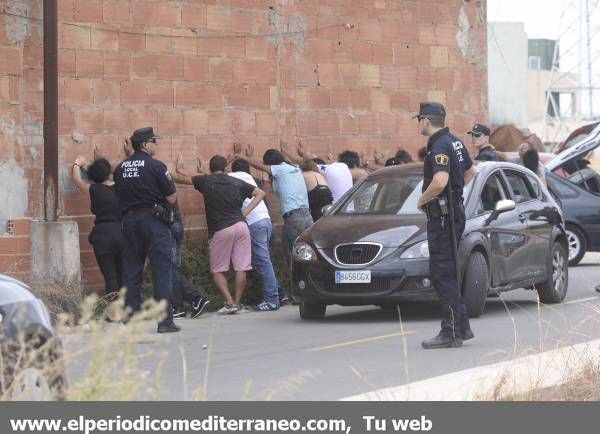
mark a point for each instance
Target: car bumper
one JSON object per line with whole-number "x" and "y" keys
{"x": 392, "y": 283}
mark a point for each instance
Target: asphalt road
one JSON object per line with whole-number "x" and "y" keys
{"x": 277, "y": 356}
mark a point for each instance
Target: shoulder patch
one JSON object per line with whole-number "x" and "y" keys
{"x": 441, "y": 159}
{"x": 168, "y": 175}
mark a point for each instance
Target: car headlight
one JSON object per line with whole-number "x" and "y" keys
{"x": 303, "y": 252}
{"x": 419, "y": 250}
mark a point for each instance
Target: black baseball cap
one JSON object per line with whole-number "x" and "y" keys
{"x": 430, "y": 108}
{"x": 478, "y": 130}
{"x": 144, "y": 135}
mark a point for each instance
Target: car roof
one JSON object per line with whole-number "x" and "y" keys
{"x": 417, "y": 169}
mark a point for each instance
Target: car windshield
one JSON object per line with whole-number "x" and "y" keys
{"x": 387, "y": 196}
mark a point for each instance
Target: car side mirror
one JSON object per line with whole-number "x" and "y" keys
{"x": 326, "y": 209}
{"x": 502, "y": 206}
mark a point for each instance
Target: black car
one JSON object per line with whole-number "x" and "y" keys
{"x": 575, "y": 185}
{"x": 32, "y": 365}
{"x": 371, "y": 247}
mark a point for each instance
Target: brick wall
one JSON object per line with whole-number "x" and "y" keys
{"x": 337, "y": 73}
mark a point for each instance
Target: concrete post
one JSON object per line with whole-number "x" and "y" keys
{"x": 55, "y": 254}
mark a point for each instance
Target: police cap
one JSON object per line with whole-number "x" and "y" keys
{"x": 144, "y": 135}
{"x": 478, "y": 130}
{"x": 430, "y": 108}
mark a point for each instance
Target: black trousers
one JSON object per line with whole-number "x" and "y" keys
{"x": 111, "y": 267}
{"x": 442, "y": 268}
{"x": 183, "y": 289}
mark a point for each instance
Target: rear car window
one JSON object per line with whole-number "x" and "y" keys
{"x": 519, "y": 187}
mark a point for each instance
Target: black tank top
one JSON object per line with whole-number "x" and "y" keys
{"x": 318, "y": 197}
{"x": 104, "y": 203}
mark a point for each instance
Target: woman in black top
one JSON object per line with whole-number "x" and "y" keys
{"x": 106, "y": 236}
{"x": 319, "y": 193}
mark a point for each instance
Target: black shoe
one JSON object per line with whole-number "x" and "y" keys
{"x": 178, "y": 314}
{"x": 198, "y": 307}
{"x": 168, "y": 328}
{"x": 465, "y": 330}
{"x": 442, "y": 340}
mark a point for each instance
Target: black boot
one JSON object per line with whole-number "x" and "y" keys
{"x": 465, "y": 329}
{"x": 449, "y": 336}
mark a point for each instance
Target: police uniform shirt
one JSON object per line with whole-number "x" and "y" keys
{"x": 487, "y": 153}
{"x": 142, "y": 181}
{"x": 446, "y": 153}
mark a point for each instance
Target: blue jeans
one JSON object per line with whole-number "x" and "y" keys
{"x": 146, "y": 236}
{"x": 262, "y": 236}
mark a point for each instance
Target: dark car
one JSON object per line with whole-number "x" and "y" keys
{"x": 372, "y": 248}
{"x": 32, "y": 367}
{"x": 575, "y": 185}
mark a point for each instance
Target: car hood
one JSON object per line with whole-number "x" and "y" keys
{"x": 390, "y": 231}
{"x": 591, "y": 142}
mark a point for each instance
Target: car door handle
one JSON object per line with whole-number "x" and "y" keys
{"x": 522, "y": 218}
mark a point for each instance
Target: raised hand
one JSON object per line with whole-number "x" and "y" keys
{"x": 198, "y": 165}
{"x": 81, "y": 161}
{"x": 250, "y": 151}
{"x": 127, "y": 148}
{"x": 237, "y": 148}
{"x": 97, "y": 153}
{"x": 330, "y": 157}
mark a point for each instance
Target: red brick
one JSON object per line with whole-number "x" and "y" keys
{"x": 444, "y": 79}
{"x": 78, "y": 91}
{"x": 90, "y": 120}
{"x": 340, "y": 98}
{"x": 195, "y": 122}
{"x": 133, "y": 92}
{"x": 445, "y": 35}
{"x": 362, "y": 52}
{"x": 350, "y": 74}
{"x": 258, "y": 97}
{"x": 306, "y": 75}
{"x": 217, "y": 18}
{"x": 259, "y": 48}
{"x": 158, "y": 44}
{"x": 408, "y": 77}
{"x": 5, "y": 88}
{"x": 116, "y": 120}
{"x": 11, "y": 61}
{"x": 131, "y": 42}
{"x": 368, "y": 123}
{"x": 404, "y": 54}
{"x": 426, "y": 78}
{"x": 139, "y": 118}
{"x": 221, "y": 70}
{"x": 319, "y": 99}
{"x": 116, "y": 11}
{"x": 408, "y": 34}
{"x": 160, "y": 93}
{"x": 105, "y": 40}
{"x": 14, "y": 88}
{"x": 360, "y": 98}
{"x": 388, "y": 122}
{"x": 210, "y": 96}
{"x": 155, "y": 13}
{"x": 254, "y": 72}
{"x": 20, "y": 226}
{"x": 15, "y": 263}
{"x": 170, "y": 67}
{"x": 88, "y": 10}
{"x": 390, "y": 30}
{"x": 170, "y": 121}
{"x": 145, "y": 66}
{"x": 66, "y": 9}
{"x": 317, "y": 50}
{"x": 328, "y": 124}
{"x": 89, "y": 63}
{"x": 233, "y": 47}
{"x": 349, "y": 124}
{"x": 266, "y": 123}
{"x": 107, "y": 92}
{"x": 307, "y": 124}
{"x": 193, "y": 16}
{"x": 380, "y": 101}
{"x": 370, "y": 30}
{"x": 218, "y": 122}
{"x": 195, "y": 69}
{"x": 383, "y": 53}
{"x": 242, "y": 21}
{"x": 186, "y": 94}
{"x": 66, "y": 63}
{"x": 183, "y": 45}
{"x": 426, "y": 35}
{"x": 242, "y": 122}
{"x": 329, "y": 74}
{"x": 116, "y": 65}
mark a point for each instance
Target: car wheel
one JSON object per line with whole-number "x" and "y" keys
{"x": 475, "y": 284}
{"x": 577, "y": 244}
{"x": 312, "y": 310}
{"x": 554, "y": 288}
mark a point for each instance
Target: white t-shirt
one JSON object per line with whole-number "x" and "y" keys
{"x": 338, "y": 177}
{"x": 261, "y": 211}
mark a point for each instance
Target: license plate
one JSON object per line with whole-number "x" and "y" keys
{"x": 352, "y": 277}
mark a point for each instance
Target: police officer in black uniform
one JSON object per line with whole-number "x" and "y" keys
{"x": 447, "y": 168}
{"x": 480, "y": 138}
{"x": 146, "y": 195}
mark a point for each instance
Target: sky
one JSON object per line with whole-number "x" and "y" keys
{"x": 559, "y": 19}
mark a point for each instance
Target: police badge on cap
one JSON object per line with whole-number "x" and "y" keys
{"x": 144, "y": 135}
{"x": 478, "y": 130}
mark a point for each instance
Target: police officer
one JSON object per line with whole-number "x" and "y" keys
{"x": 447, "y": 168}
{"x": 480, "y": 138}
{"x": 146, "y": 194}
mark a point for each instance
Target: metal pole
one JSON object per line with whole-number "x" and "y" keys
{"x": 50, "y": 111}
{"x": 589, "y": 53}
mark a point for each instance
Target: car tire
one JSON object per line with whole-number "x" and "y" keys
{"x": 554, "y": 288}
{"x": 475, "y": 284}
{"x": 577, "y": 244}
{"x": 312, "y": 310}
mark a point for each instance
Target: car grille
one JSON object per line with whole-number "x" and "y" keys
{"x": 356, "y": 254}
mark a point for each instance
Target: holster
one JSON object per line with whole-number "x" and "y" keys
{"x": 164, "y": 213}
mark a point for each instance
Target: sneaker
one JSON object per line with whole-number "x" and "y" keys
{"x": 168, "y": 328}
{"x": 178, "y": 314}
{"x": 228, "y": 309}
{"x": 198, "y": 307}
{"x": 241, "y": 308}
{"x": 266, "y": 307}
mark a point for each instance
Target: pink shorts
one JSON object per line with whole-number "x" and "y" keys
{"x": 230, "y": 246}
